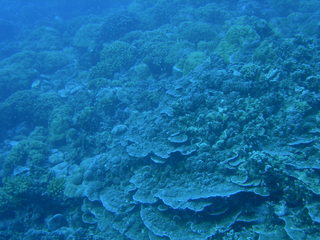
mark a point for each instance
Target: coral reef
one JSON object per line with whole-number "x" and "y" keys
{"x": 118, "y": 24}
{"x": 115, "y": 57}
{"x": 166, "y": 119}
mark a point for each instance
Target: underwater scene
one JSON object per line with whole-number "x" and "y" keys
{"x": 160, "y": 120}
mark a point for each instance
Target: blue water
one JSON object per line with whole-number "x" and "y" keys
{"x": 165, "y": 119}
